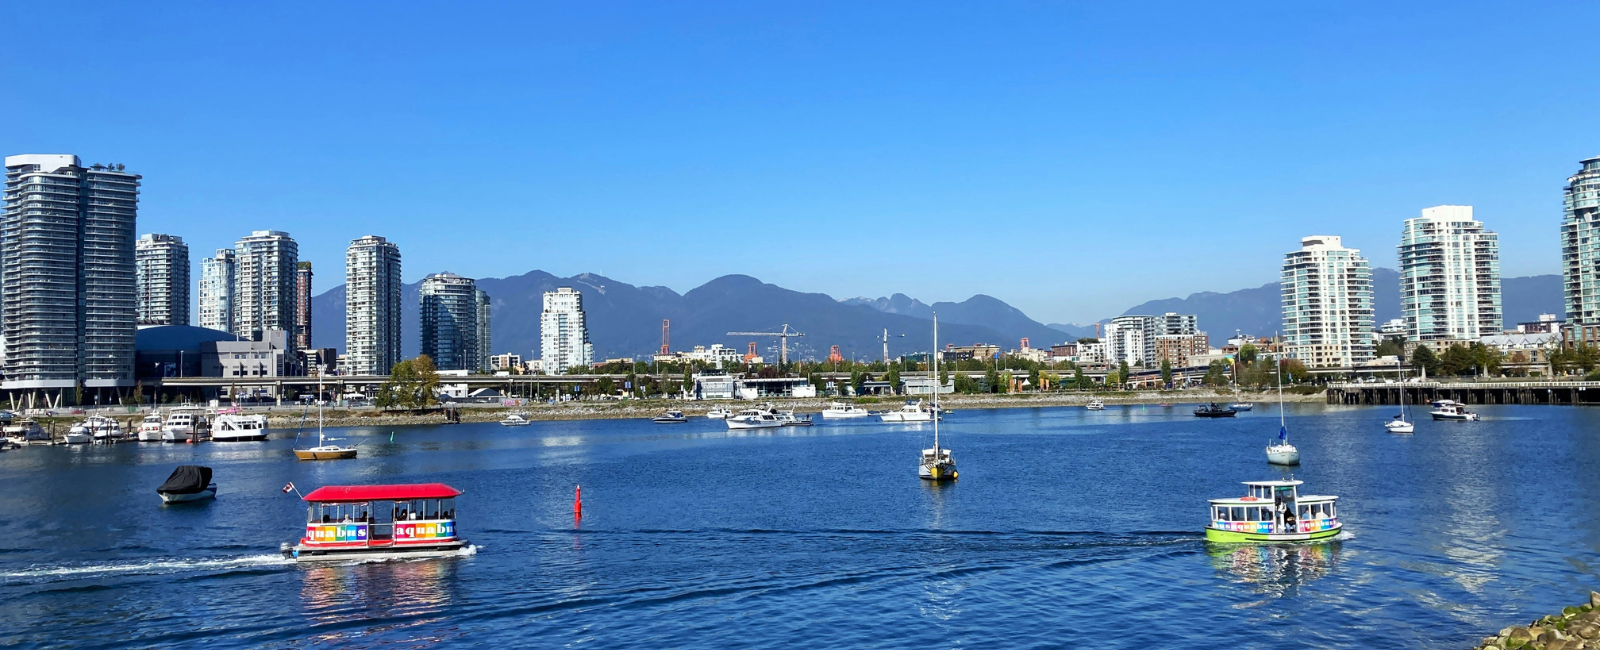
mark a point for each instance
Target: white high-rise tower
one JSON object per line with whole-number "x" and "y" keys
{"x": 371, "y": 306}
{"x": 218, "y": 278}
{"x": 162, "y": 265}
{"x": 1449, "y": 276}
{"x": 264, "y": 292}
{"x": 563, "y": 334}
{"x": 1327, "y": 304}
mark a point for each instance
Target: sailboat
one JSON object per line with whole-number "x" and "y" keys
{"x": 1282, "y": 453}
{"x": 936, "y": 464}
{"x": 323, "y": 450}
{"x": 1400, "y": 424}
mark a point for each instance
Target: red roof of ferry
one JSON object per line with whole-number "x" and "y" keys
{"x": 382, "y": 492}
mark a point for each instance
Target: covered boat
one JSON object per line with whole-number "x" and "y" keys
{"x": 1273, "y": 511}
{"x": 1214, "y": 410}
{"x": 378, "y": 522}
{"x": 188, "y": 483}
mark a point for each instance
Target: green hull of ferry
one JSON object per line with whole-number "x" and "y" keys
{"x": 1235, "y": 537}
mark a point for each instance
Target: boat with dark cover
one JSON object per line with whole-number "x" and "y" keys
{"x": 188, "y": 483}
{"x": 1214, "y": 410}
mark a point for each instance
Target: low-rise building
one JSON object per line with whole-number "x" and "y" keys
{"x": 1177, "y": 349}
{"x": 269, "y": 357}
{"x": 507, "y": 362}
{"x": 1547, "y": 323}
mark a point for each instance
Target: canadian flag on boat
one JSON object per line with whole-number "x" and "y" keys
{"x": 288, "y": 488}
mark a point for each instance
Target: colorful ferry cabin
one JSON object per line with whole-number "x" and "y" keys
{"x": 346, "y": 522}
{"x": 1273, "y": 511}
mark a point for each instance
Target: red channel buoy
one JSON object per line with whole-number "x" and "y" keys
{"x": 577, "y": 502}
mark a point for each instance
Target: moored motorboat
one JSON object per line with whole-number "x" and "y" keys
{"x": 844, "y": 411}
{"x": 188, "y": 483}
{"x": 789, "y": 419}
{"x": 518, "y": 419}
{"x": 670, "y": 417}
{"x": 719, "y": 413}
{"x": 911, "y": 412}
{"x": 183, "y": 425}
{"x": 1214, "y": 410}
{"x": 753, "y": 419}
{"x": 1241, "y": 406}
{"x": 1095, "y": 405}
{"x": 150, "y": 427}
{"x": 378, "y": 522}
{"x": 21, "y": 432}
{"x": 234, "y": 427}
{"x": 1452, "y": 410}
{"x": 1273, "y": 511}
{"x": 78, "y": 434}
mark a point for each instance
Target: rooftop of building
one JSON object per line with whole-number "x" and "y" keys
{"x": 176, "y": 337}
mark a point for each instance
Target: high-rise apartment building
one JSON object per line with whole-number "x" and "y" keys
{"x": 1133, "y": 339}
{"x": 67, "y": 266}
{"x": 161, "y": 263}
{"x": 218, "y": 279}
{"x": 371, "y": 306}
{"x": 1580, "y": 245}
{"x": 563, "y": 334}
{"x": 302, "y": 306}
{"x": 450, "y": 321}
{"x": 1327, "y": 304}
{"x": 263, "y": 297}
{"x": 1449, "y": 276}
{"x": 484, "y": 319}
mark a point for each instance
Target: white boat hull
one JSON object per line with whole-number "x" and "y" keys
{"x": 174, "y": 436}
{"x": 149, "y": 436}
{"x": 757, "y": 424}
{"x": 78, "y": 439}
{"x": 896, "y": 416}
{"x": 1400, "y": 427}
{"x": 1455, "y": 417}
{"x": 1277, "y": 455}
{"x": 844, "y": 415}
{"x": 301, "y": 554}
{"x": 209, "y": 493}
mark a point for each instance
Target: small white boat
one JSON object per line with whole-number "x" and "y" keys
{"x": 188, "y": 483}
{"x": 1281, "y": 453}
{"x": 233, "y": 427}
{"x": 936, "y": 464}
{"x": 77, "y": 438}
{"x": 518, "y": 419}
{"x": 150, "y": 427}
{"x": 1095, "y": 405}
{"x": 1399, "y": 424}
{"x": 753, "y": 419}
{"x": 102, "y": 429}
{"x": 912, "y": 412}
{"x": 719, "y": 413}
{"x": 1452, "y": 410}
{"x": 670, "y": 417}
{"x": 844, "y": 411}
{"x": 1241, "y": 406}
{"x": 789, "y": 419}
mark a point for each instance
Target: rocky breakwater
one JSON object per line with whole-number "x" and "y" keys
{"x": 1577, "y": 627}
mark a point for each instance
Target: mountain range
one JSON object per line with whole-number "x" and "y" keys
{"x": 625, "y": 320}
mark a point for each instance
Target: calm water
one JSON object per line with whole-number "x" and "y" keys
{"x": 1068, "y": 528}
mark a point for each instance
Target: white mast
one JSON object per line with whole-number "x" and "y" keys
{"x": 319, "y": 410}
{"x": 936, "y": 387}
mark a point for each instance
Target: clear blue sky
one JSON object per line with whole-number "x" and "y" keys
{"x": 1071, "y": 159}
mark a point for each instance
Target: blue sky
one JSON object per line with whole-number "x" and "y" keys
{"x": 1070, "y": 159}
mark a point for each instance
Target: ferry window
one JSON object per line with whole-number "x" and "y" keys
{"x": 1316, "y": 510}
{"x": 1238, "y": 514}
{"x": 311, "y": 514}
{"x": 1250, "y": 514}
{"x": 1305, "y": 512}
{"x": 449, "y": 508}
{"x": 433, "y": 508}
{"x": 1330, "y": 511}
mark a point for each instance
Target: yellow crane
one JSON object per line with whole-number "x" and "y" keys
{"x": 783, "y": 337}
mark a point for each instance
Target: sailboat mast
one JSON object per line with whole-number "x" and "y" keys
{"x": 319, "y": 409}
{"x": 936, "y": 385}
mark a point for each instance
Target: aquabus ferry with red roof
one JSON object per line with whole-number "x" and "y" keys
{"x": 378, "y": 522}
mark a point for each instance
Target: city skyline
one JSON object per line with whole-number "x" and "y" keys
{"x": 1044, "y": 125}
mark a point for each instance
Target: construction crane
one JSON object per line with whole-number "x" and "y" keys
{"x": 885, "y": 341}
{"x": 783, "y": 338}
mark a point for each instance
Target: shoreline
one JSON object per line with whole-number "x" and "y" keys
{"x": 645, "y": 409}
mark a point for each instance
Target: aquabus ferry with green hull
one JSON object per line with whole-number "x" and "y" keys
{"x": 1273, "y": 511}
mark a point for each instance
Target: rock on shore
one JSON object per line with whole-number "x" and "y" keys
{"x": 1575, "y": 628}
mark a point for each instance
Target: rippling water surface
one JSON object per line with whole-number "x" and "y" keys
{"x": 1068, "y": 528}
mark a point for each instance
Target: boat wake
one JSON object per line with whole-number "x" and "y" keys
{"x": 53, "y": 573}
